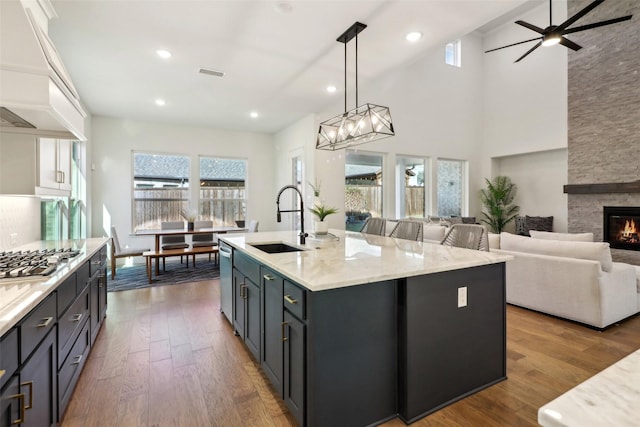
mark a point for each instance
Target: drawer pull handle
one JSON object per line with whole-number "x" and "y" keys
{"x": 95, "y": 262}
{"x": 268, "y": 277}
{"x": 20, "y": 397}
{"x": 30, "y": 385}
{"x": 290, "y": 300}
{"x": 243, "y": 291}
{"x": 77, "y": 317}
{"x": 2, "y": 372}
{"x": 77, "y": 361}
{"x": 44, "y": 322}
{"x": 284, "y": 336}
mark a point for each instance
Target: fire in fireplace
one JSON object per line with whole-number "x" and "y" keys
{"x": 622, "y": 227}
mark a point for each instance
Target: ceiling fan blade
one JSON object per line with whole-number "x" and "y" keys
{"x": 513, "y": 44}
{"x": 531, "y": 27}
{"x": 568, "y": 43}
{"x": 596, "y": 24}
{"x": 579, "y": 15}
{"x": 529, "y": 51}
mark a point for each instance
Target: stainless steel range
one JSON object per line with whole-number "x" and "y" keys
{"x": 23, "y": 264}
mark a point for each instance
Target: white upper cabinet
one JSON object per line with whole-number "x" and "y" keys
{"x": 54, "y": 165}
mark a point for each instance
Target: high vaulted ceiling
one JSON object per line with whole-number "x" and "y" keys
{"x": 278, "y": 56}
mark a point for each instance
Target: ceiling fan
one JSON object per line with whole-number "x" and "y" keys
{"x": 555, "y": 34}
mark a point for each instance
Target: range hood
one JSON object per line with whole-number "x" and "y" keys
{"x": 37, "y": 96}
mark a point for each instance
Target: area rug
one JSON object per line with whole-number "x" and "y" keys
{"x": 135, "y": 277}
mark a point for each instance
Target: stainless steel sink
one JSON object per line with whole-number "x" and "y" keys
{"x": 276, "y": 248}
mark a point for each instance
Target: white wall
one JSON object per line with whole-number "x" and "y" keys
{"x": 436, "y": 111}
{"x": 538, "y": 175}
{"x": 525, "y": 129}
{"x": 297, "y": 139}
{"x": 114, "y": 140}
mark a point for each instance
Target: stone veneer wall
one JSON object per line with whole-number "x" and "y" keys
{"x": 604, "y": 114}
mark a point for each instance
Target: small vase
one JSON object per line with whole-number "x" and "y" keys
{"x": 320, "y": 227}
{"x": 190, "y": 226}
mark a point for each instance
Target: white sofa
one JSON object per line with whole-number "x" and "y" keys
{"x": 576, "y": 280}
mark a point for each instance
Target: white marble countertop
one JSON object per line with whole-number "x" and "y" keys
{"x": 356, "y": 258}
{"x": 609, "y": 398}
{"x": 19, "y": 296}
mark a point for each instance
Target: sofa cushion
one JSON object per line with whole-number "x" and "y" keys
{"x": 539, "y": 223}
{"x": 494, "y": 240}
{"x": 596, "y": 251}
{"x": 433, "y": 232}
{"x": 575, "y": 237}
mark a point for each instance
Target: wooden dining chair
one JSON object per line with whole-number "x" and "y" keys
{"x": 118, "y": 252}
{"x": 173, "y": 242}
{"x": 205, "y": 239}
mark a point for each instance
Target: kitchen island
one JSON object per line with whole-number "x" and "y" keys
{"x": 48, "y": 325}
{"x": 356, "y": 329}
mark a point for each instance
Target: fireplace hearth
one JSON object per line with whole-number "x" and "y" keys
{"x": 621, "y": 226}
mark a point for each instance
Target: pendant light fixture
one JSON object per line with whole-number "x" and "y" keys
{"x": 364, "y": 123}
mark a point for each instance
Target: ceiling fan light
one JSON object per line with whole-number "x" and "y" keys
{"x": 551, "y": 39}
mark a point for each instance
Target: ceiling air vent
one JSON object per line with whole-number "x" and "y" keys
{"x": 9, "y": 118}
{"x": 212, "y": 72}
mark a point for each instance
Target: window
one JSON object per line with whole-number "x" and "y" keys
{"x": 363, "y": 188}
{"x": 222, "y": 190}
{"x": 160, "y": 189}
{"x": 453, "y": 53}
{"x": 411, "y": 187}
{"x": 451, "y": 186}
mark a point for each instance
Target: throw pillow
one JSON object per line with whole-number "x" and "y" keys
{"x": 538, "y": 223}
{"x": 455, "y": 220}
{"x": 575, "y": 237}
{"x": 468, "y": 219}
{"x": 520, "y": 228}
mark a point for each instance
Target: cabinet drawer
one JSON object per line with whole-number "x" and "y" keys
{"x": 83, "y": 273}
{"x": 70, "y": 324}
{"x": 247, "y": 266}
{"x": 96, "y": 263}
{"x": 36, "y": 325}
{"x": 72, "y": 367}
{"x": 294, "y": 300}
{"x": 66, "y": 293}
{"x": 8, "y": 355}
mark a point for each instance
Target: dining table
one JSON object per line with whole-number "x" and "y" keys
{"x": 157, "y": 233}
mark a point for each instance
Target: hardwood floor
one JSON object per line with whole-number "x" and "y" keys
{"x": 166, "y": 356}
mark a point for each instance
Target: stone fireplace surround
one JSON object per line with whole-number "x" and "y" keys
{"x": 604, "y": 117}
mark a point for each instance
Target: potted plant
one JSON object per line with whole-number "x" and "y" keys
{"x": 190, "y": 215}
{"x": 321, "y": 211}
{"x": 497, "y": 199}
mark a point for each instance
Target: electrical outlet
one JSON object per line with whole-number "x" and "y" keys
{"x": 13, "y": 238}
{"x": 462, "y": 297}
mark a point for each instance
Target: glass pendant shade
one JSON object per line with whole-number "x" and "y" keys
{"x": 365, "y": 123}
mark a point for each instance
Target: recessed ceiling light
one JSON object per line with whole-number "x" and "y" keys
{"x": 331, "y": 89}
{"x": 284, "y": 6}
{"x": 254, "y": 114}
{"x": 164, "y": 54}
{"x": 160, "y": 102}
{"x": 413, "y": 36}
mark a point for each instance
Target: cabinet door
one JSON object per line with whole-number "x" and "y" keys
{"x": 64, "y": 163}
{"x": 10, "y": 403}
{"x": 48, "y": 174}
{"x": 252, "y": 325}
{"x": 38, "y": 383}
{"x": 238, "y": 302}
{"x": 294, "y": 366}
{"x": 272, "y": 346}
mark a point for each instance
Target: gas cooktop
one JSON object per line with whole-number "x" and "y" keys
{"x": 22, "y": 264}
